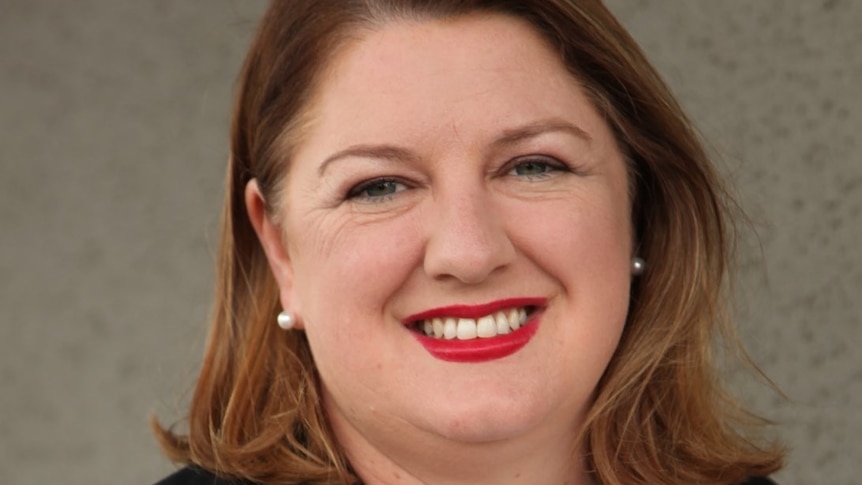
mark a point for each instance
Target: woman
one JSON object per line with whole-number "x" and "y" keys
{"x": 493, "y": 246}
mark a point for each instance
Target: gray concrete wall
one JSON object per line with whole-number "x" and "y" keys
{"x": 113, "y": 121}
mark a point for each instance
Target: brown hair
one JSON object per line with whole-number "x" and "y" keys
{"x": 660, "y": 415}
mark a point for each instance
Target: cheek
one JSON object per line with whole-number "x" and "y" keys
{"x": 359, "y": 265}
{"x": 589, "y": 232}
{"x": 586, "y": 248}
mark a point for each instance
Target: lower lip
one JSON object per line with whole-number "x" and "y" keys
{"x": 480, "y": 349}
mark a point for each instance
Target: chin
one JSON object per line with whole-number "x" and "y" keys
{"x": 485, "y": 422}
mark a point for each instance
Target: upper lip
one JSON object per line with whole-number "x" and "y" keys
{"x": 475, "y": 311}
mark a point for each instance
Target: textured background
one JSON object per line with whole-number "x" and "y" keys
{"x": 113, "y": 121}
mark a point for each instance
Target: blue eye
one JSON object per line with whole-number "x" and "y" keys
{"x": 534, "y": 168}
{"x": 531, "y": 168}
{"x": 376, "y": 190}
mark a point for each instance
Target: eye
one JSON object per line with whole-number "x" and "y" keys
{"x": 376, "y": 190}
{"x": 536, "y": 168}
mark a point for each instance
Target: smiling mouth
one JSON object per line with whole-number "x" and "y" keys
{"x": 457, "y": 328}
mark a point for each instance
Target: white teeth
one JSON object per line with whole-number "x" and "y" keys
{"x": 486, "y": 327}
{"x": 450, "y": 328}
{"x": 437, "y": 326}
{"x": 499, "y": 323}
{"x": 466, "y": 329}
{"x": 502, "y": 323}
{"x": 514, "y": 319}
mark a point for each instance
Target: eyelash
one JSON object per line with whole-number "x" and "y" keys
{"x": 357, "y": 192}
{"x": 551, "y": 165}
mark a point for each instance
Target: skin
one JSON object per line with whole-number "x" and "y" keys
{"x": 462, "y": 218}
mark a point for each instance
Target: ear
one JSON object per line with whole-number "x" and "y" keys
{"x": 271, "y": 237}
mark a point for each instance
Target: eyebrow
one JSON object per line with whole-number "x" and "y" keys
{"x": 532, "y": 130}
{"x": 509, "y": 137}
{"x": 380, "y": 152}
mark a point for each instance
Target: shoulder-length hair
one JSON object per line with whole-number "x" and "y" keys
{"x": 660, "y": 415}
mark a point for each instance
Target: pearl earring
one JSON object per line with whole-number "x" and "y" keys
{"x": 638, "y": 266}
{"x": 286, "y": 320}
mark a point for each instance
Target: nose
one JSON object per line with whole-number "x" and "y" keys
{"x": 467, "y": 239}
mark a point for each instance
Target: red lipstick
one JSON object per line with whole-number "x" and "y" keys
{"x": 479, "y": 349}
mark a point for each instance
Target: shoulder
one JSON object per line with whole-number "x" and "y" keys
{"x": 197, "y": 476}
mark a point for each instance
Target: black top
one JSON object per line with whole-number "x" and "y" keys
{"x": 196, "y": 476}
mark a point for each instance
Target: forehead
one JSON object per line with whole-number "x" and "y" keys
{"x": 480, "y": 40}
{"x": 470, "y": 73}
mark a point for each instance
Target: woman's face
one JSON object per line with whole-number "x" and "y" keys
{"x": 454, "y": 171}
